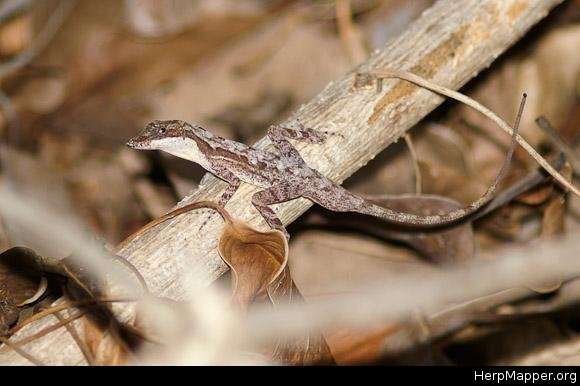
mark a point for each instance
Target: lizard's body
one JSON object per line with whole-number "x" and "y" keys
{"x": 282, "y": 176}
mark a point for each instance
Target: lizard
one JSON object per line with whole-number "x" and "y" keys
{"x": 284, "y": 175}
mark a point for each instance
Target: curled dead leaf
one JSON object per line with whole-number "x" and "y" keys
{"x": 259, "y": 264}
{"x": 257, "y": 259}
{"x": 20, "y": 283}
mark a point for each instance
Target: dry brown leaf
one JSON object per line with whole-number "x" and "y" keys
{"x": 506, "y": 223}
{"x": 255, "y": 258}
{"x": 443, "y": 180}
{"x": 359, "y": 346}
{"x": 505, "y": 346}
{"x": 330, "y": 263}
{"x": 19, "y": 281}
{"x": 259, "y": 264}
{"x": 309, "y": 349}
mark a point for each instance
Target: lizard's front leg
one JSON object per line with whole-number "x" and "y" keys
{"x": 298, "y": 132}
{"x": 279, "y": 135}
{"x": 274, "y": 195}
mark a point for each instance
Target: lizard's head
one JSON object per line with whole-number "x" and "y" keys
{"x": 158, "y": 134}
{"x": 174, "y": 137}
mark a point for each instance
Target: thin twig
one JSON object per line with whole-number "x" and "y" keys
{"x": 46, "y": 331}
{"x": 349, "y": 35}
{"x": 42, "y": 286}
{"x": 64, "y": 306}
{"x": 557, "y": 140}
{"x": 416, "y": 166}
{"x": 114, "y": 326}
{"x": 43, "y": 37}
{"x": 530, "y": 181}
{"x": 133, "y": 269}
{"x": 388, "y": 73}
{"x": 21, "y": 352}
{"x": 82, "y": 345}
{"x": 393, "y": 299}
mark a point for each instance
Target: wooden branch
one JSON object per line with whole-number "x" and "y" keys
{"x": 450, "y": 44}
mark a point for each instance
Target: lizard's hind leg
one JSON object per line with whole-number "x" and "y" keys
{"x": 335, "y": 197}
{"x": 279, "y": 135}
{"x": 274, "y": 195}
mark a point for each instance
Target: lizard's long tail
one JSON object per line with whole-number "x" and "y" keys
{"x": 454, "y": 216}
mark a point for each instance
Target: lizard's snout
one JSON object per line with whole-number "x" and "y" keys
{"x": 131, "y": 143}
{"x": 136, "y": 143}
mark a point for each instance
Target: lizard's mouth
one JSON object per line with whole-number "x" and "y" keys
{"x": 135, "y": 143}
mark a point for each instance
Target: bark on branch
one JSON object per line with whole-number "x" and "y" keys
{"x": 450, "y": 44}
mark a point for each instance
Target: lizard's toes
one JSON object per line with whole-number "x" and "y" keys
{"x": 285, "y": 232}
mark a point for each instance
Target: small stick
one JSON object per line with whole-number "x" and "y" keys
{"x": 64, "y": 306}
{"x": 82, "y": 345}
{"x": 530, "y": 181}
{"x": 42, "y": 286}
{"x": 416, "y": 167}
{"x": 45, "y": 331}
{"x": 557, "y": 140}
{"x": 134, "y": 270}
{"x": 21, "y": 352}
{"x": 43, "y": 37}
{"x": 385, "y": 74}
{"x": 349, "y": 35}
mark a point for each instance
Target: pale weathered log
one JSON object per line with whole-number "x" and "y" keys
{"x": 450, "y": 44}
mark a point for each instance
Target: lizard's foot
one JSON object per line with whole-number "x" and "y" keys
{"x": 277, "y": 225}
{"x": 318, "y": 136}
{"x": 366, "y": 80}
{"x": 311, "y": 135}
{"x": 284, "y": 231}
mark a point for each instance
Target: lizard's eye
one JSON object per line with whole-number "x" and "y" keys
{"x": 162, "y": 130}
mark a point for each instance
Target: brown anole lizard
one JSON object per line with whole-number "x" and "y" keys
{"x": 284, "y": 175}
